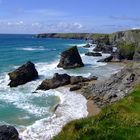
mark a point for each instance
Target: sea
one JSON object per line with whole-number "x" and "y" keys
{"x": 33, "y": 113}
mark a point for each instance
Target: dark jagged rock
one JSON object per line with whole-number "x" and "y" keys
{"x": 116, "y": 57}
{"x": 87, "y": 46}
{"x": 57, "y": 81}
{"x": 102, "y": 40}
{"x": 77, "y": 79}
{"x": 70, "y": 59}
{"x": 23, "y": 74}
{"x": 8, "y": 133}
{"x": 75, "y": 87}
{"x": 95, "y": 54}
{"x": 107, "y": 59}
{"x": 92, "y": 78}
{"x": 103, "y": 48}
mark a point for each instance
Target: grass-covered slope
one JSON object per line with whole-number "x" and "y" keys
{"x": 71, "y": 35}
{"x": 119, "y": 121}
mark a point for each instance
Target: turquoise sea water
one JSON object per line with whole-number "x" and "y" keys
{"x": 23, "y": 108}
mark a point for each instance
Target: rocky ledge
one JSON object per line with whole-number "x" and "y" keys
{"x": 8, "y": 133}
{"x": 23, "y": 74}
{"x": 95, "y": 54}
{"x": 116, "y": 87}
{"x": 59, "y": 80}
{"x": 70, "y": 59}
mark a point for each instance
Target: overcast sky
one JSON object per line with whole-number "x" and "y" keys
{"x": 37, "y": 16}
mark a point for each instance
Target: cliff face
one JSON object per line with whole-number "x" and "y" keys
{"x": 102, "y": 40}
{"x": 131, "y": 36}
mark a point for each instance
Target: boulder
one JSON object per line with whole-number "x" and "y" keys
{"x": 23, "y": 74}
{"x": 87, "y": 46}
{"x": 75, "y": 87}
{"x": 107, "y": 59}
{"x": 95, "y": 54}
{"x": 77, "y": 79}
{"x": 57, "y": 81}
{"x": 70, "y": 59}
{"x": 8, "y": 133}
{"x": 91, "y": 78}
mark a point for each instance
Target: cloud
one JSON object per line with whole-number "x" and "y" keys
{"x": 65, "y": 27}
{"x": 39, "y": 27}
{"x": 125, "y": 18}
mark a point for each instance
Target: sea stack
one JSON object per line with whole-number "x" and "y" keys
{"x": 23, "y": 74}
{"x": 70, "y": 59}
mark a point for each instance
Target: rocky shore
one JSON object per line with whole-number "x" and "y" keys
{"x": 122, "y": 46}
{"x": 115, "y": 88}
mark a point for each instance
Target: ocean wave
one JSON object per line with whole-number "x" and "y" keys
{"x": 40, "y": 48}
{"x": 78, "y": 45}
{"x": 72, "y": 106}
{"x": 22, "y": 97}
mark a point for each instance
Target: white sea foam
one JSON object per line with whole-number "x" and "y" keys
{"x": 78, "y": 45}
{"x": 72, "y": 106}
{"x": 35, "y": 48}
{"x": 22, "y": 96}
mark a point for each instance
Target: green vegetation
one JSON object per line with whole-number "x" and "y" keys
{"x": 126, "y": 50}
{"x": 72, "y": 35}
{"x": 119, "y": 121}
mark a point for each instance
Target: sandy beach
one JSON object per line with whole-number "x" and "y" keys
{"x": 92, "y": 108}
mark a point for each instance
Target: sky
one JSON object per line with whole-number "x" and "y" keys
{"x": 45, "y": 16}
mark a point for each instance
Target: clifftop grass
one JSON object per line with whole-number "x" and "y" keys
{"x": 72, "y": 35}
{"x": 119, "y": 121}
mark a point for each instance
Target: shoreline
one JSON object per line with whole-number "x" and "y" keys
{"x": 92, "y": 108}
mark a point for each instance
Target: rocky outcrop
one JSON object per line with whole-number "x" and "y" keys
{"x": 101, "y": 40}
{"x": 103, "y": 45}
{"x": 103, "y": 48}
{"x": 77, "y": 79}
{"x": 87, "y": 46}
{"x": 107, "y": 59}
{"x": 130, "y": 36}
{"x": 75, "y": 87}
{"x": 23, "y": 74}
{"x": 70, "y": 59}
{"x": 8, "y": 133}
{"x": 59, "y": 80}
{"x": 95, "y": 54}
{"x": 115, "y": 88}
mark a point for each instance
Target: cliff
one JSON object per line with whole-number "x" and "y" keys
{"x": 130, "y": 36}
{"x": 71, "y": 35}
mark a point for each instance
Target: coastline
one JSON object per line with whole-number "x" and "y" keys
{"x": 92, "y": 108}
